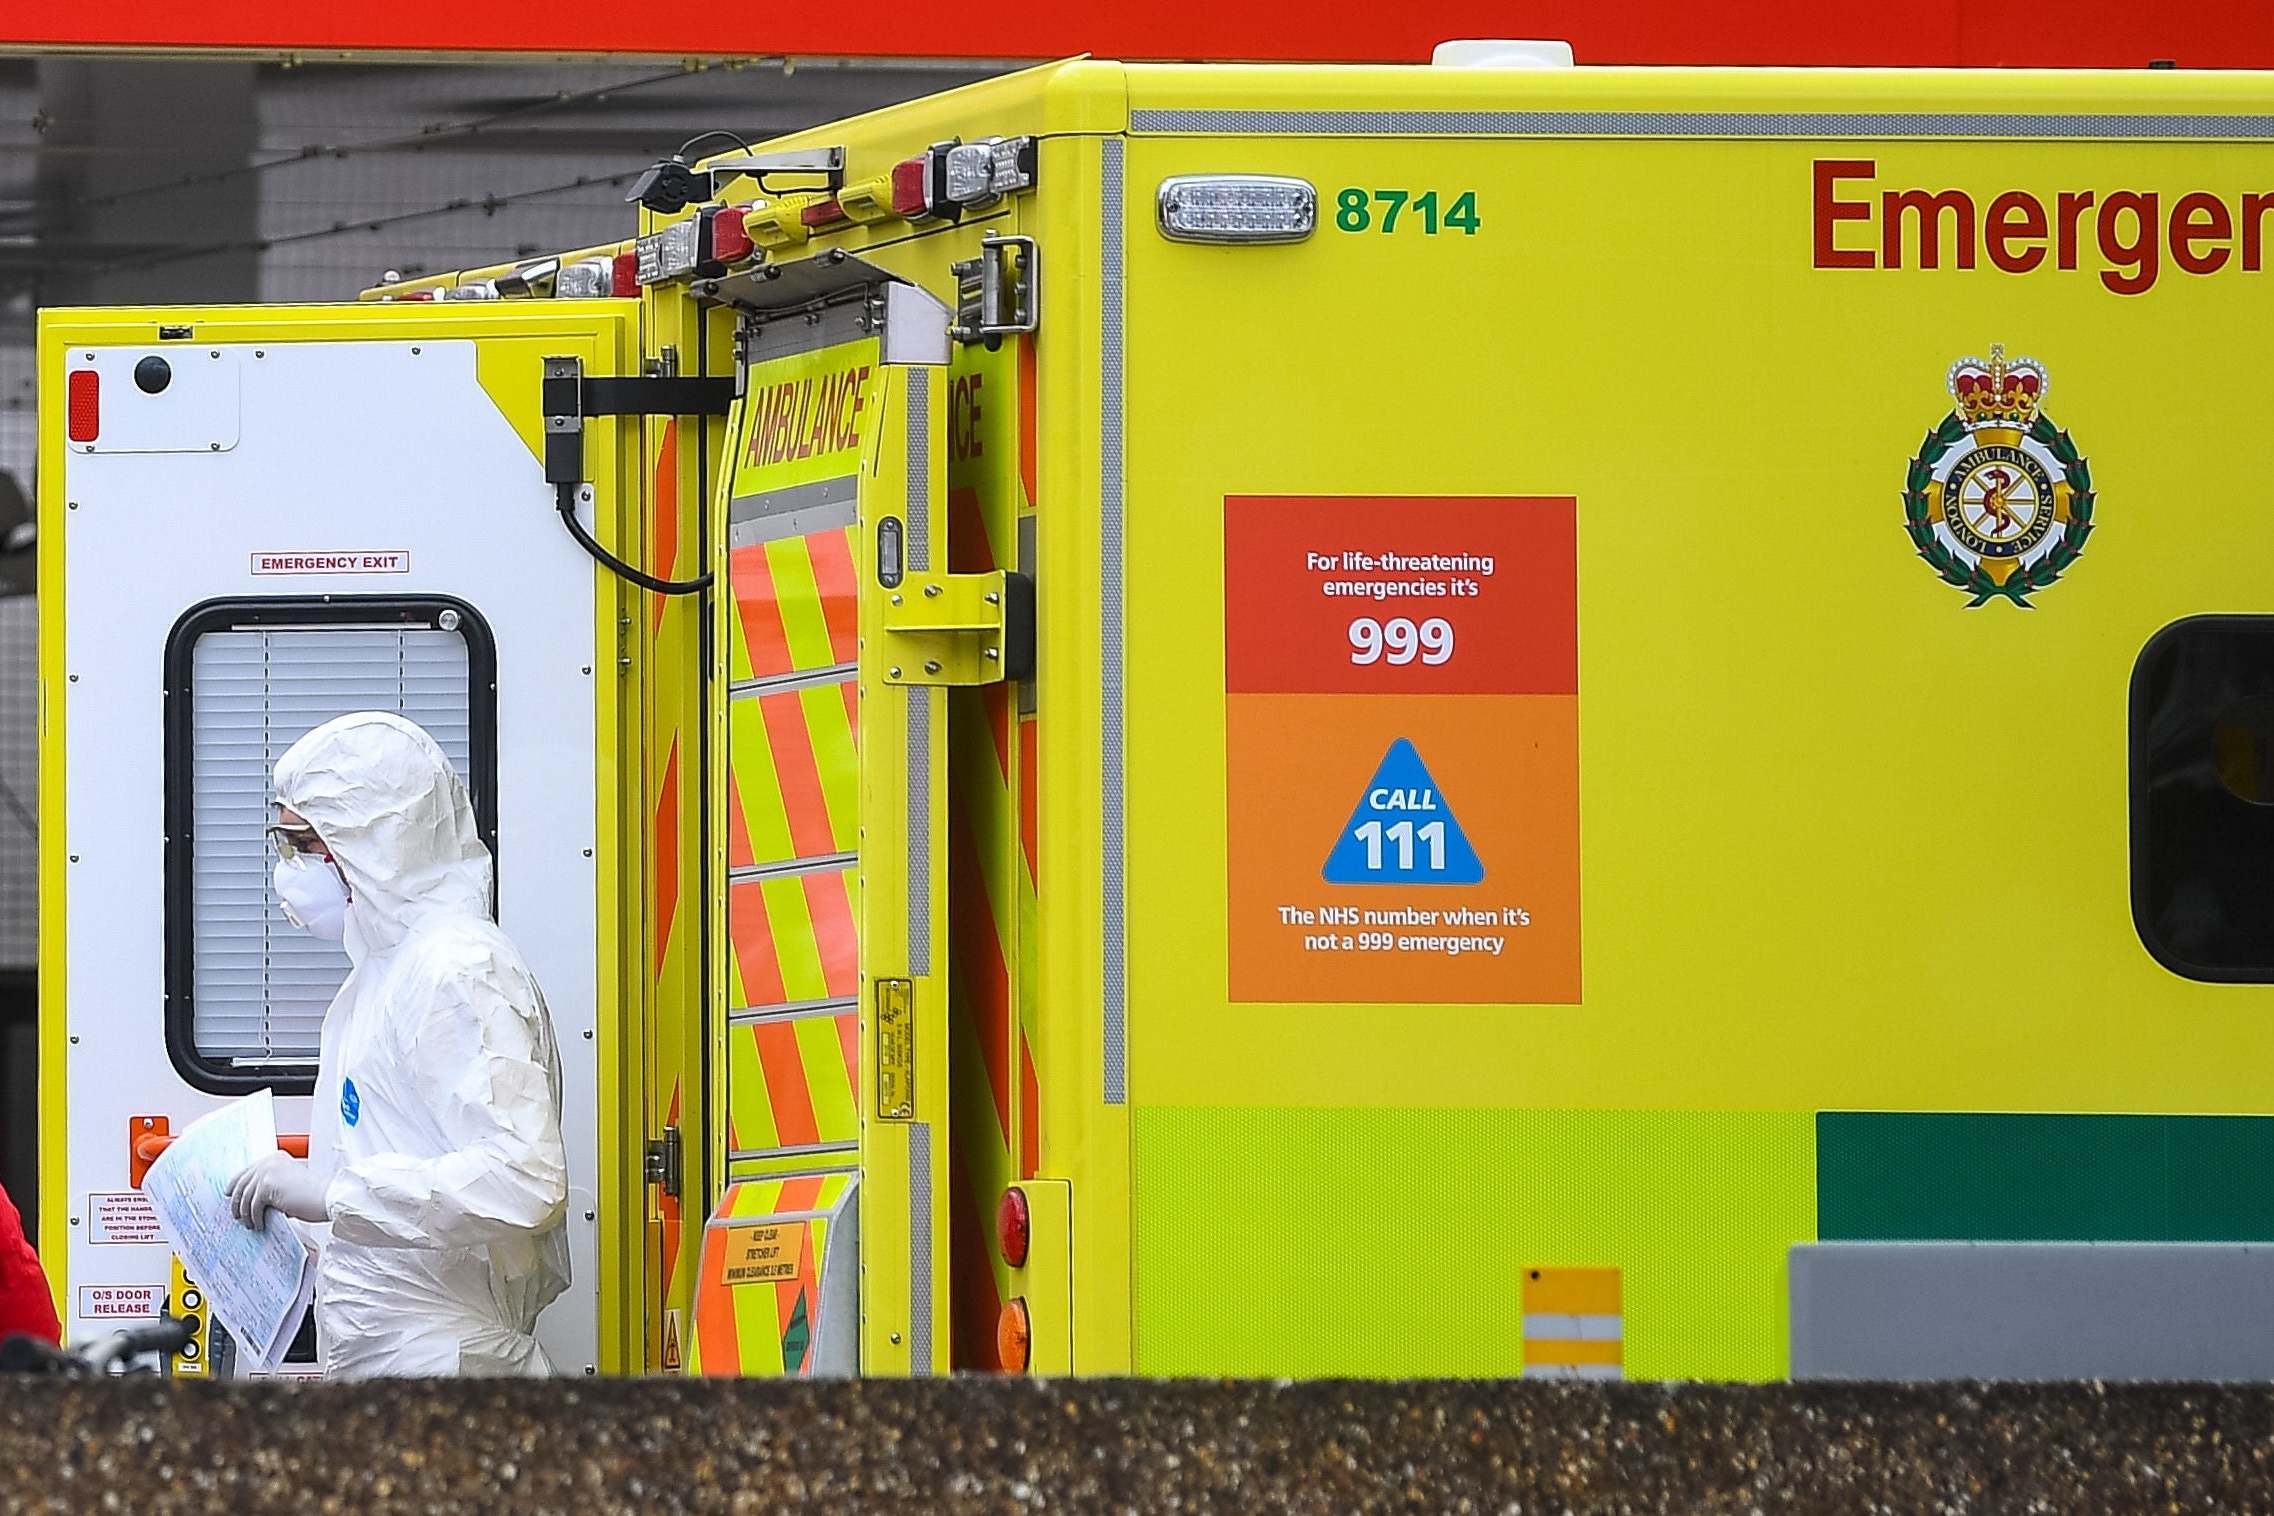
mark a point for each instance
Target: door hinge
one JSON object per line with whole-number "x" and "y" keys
{"x": 999, "y": 293}
{"x": 662, "y": 1165}
{"x": 959, "y": 628}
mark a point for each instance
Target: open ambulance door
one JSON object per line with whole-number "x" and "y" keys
{"x": 254, "y": 520}
{"x": 827, "y": 1250}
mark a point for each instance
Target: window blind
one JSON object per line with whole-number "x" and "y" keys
{"x": 259, "y": 984}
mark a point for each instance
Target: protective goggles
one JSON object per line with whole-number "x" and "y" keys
{"x": 296, "y": 841}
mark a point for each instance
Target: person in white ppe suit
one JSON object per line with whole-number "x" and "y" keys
{"x": 444, "y": 1177}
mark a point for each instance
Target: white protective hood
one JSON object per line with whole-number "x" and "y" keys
{"x": 386, "y": 801}
{"x": 439, "y": 1086}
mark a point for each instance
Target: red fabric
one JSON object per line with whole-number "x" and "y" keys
{"x": 25, "y": 1304}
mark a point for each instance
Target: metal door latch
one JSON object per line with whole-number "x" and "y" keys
{"x": 663, "y": 1159}
{"x": 999, "y": 293}
{"x": 959, "y": 629}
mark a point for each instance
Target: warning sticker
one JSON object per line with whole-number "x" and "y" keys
{"x": 1402, "y": 749}
{"x": 109, "y": 1302}
{"x": 122, "y": 1217}
{"x": 766, "y": 1254}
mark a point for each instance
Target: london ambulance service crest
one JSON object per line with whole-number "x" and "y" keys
{"x": 1998, "y": 502}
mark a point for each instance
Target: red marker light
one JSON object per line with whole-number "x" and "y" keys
{"x": 1013, "y": 1226}
{"x": 85, "y": 407}
{"x": 911, "y": 179}
{"x": 624, "y": 275}
{"x": 730, "y": 239}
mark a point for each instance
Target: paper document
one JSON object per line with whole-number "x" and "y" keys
{"x": 257, "y": 1282}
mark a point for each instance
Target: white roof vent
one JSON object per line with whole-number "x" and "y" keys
{"x": 1497, "y": 53}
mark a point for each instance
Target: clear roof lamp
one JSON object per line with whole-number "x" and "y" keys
{"x": 1237, "y": 208}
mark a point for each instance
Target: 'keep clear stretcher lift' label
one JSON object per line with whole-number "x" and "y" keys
{"x": 1402, "y": 734}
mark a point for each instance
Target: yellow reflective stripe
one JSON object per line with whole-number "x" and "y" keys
{"x": 800, "y": 956}
{"x": 752, "y": 1112}
{"x": 757, "y": 1331}
{"x": 830, "y": 727}
{"x": 750, "y": 764}
{"x": 835, "y": 1116}
{"x": 799, "y": 594}
{"x": 757, "y": 1197}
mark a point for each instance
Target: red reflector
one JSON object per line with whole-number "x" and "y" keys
{"x": 86, "y": 407}
{"x": 414, "y": 295}
{"x": 910, "y": 180}
{"x": 1011, "y": 1226}
{"x": 823, "y": 213}
{"x": 730, "y": 240}
{"x": 625, "y": 274}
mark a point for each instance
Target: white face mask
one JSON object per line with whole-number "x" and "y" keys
{"x": 313, "y": 895}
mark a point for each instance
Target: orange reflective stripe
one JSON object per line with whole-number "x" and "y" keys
{"x": 759, "y": 613}
{"x": 716, "y": 1350}
{"x": 798, "y": 774}
{"x": 785, "y": 1084}
{"x": 829, "y": 900}
{"x": 833, "y": 576}
{"x": 750, "y": 932}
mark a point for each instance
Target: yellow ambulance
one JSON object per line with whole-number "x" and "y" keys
{"x": 1296, "y": 721}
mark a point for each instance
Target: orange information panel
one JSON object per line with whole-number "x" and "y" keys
{"x": 1402, "y": 748}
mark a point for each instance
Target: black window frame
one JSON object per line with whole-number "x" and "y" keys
{"x": 2138, "y": 755}
{"x": 244, "y": 613}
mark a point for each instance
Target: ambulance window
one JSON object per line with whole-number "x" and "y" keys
{"x": 2203, "y": 797}
{"x": 245, "y": 989}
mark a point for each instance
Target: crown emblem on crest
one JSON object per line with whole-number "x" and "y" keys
{"x": 2000, "y": 392}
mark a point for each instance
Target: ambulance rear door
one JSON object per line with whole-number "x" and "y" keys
{"x": 254, "y": 520}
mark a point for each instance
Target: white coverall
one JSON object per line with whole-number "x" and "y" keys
{"x": 437, "y": 1128}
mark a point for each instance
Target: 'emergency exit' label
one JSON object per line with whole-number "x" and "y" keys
{"x": 763, "y": 1254}
{"x": 357, "y": 562}
{"x": 1402, "y": 749}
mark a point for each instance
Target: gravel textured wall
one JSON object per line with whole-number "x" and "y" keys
{"x": 670, "y": 1445}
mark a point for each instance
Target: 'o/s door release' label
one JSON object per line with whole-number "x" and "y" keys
{"x": 1402, "y": 735}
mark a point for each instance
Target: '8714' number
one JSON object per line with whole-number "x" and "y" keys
{"x": 1358, "y": 210}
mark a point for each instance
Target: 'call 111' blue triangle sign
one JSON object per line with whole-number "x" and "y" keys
{"x": 1403, "y": 832}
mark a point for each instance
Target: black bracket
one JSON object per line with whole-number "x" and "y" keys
{"x": 569, "y": 397}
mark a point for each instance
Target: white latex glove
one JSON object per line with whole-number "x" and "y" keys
{"x": 276, "y": 1182}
